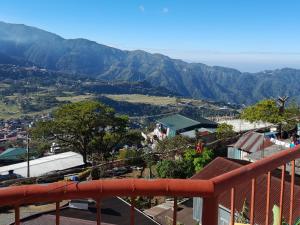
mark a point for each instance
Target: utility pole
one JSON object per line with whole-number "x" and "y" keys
{"x": 27, "y": 148}
{"x": 281, "y": 101}
{"x": 28, "y": 170}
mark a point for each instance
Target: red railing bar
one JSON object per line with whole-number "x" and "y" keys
{"x": 252, "y": 208}
{"x": 232, "y": 207}
{"x": 235, "y": 177}
{"x": 292, "y": 192}
{"x": 132, "y": 210}
{"x": 57, "y": 213}
{"x": 210, "y": 211}
{"x": 282, "y": 192}
{"x": 208, "y": 189}
{"x": 17, "y": 215}
{"x": 98, "y": 205}
{"x": 268, "y": 197}
{"x": 175, "y": 211}
{"x": 105, "y": 188}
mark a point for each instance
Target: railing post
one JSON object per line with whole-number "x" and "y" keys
{"x": 268, "y": 198}
{"x": 17, "y": 215}
{"x": 282, "y": 185}
{"x": 252, "y": 208}
{"x": 210, "y": 211}
{"x": 175, "y": 211}
{"x": 98, "y": 205}
{"x": 57, "y": 213}
{"x": 292, "y": 192}
{"x": 232, "y": 207}
{"x": 132, "y": 209}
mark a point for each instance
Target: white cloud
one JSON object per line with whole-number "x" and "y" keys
{"x": 142, "y": 8}
{"x": 165, "y": 10}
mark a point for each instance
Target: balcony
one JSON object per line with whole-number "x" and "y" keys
{"x": 209, "y": 190}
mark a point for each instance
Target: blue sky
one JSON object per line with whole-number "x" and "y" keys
{"x": 249, "y": 35}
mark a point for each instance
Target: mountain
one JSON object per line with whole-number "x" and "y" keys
{"x": 29, "y": 45}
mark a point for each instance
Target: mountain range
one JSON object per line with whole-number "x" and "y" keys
{"x": 25, "y": 45}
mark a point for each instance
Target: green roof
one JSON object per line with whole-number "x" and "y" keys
{"x": 178, "y": 122}
{"x": 13, "y": 154}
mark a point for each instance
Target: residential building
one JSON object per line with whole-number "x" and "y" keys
{"x": 251, "y": 143}
{"x": 177, "y": 124}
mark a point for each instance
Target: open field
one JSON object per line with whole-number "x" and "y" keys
{"x": 76, "y": 98}
{"x": 137, "y": 98}
{"x": 12, "y": 111}
{"x": 8, "y": 111}
{"x": 153, "y": 100}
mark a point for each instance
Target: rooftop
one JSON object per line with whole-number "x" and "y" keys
{"x": 252, "y": 142}
{"x": 113, "y": 211}
{"x": 46, "y": 164}
{"x": 13, "y": 154}
{"x": 178, "y": 122}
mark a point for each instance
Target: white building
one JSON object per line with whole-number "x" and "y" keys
{"x": 46, "y": 164}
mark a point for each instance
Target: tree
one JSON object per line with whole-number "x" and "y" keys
{"x": 86, "y": 127}
{"x": 291, "y": 114}
{"x": 268, "y": 111}
{"x": 171, "y": 169}
{"x": 192, "y": 162}
{"x": 177, "y": 143}
{"x": 132, "y": 138}
{"x": 197, "y": 161}
{"x": 224, "y": 131}
{"x": 133, "y": 156}
{"x": 265, "y": 110}
{"x": 149, "y": 160}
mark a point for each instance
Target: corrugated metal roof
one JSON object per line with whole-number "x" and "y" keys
{"x": 46, "y": 164}
{"x": 13, "y": 154}
{"x": 252, "y": 142}
{"x": 180, "y": 122}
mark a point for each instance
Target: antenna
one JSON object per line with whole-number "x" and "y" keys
{"x": 281, "y": 101}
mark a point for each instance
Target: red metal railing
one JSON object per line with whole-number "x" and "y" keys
{"x": 209, "y": 190}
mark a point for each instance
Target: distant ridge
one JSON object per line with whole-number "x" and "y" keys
{"x": 21, "y": 44}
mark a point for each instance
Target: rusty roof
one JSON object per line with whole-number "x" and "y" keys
{"x": 252, "y": 142}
